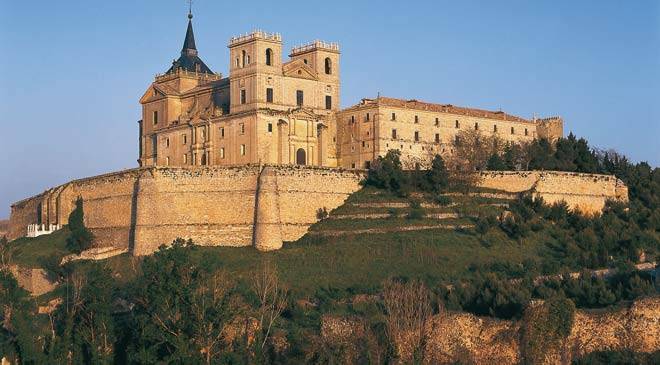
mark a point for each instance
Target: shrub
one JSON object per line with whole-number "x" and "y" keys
{"x": 442, "y": 200}
{"x": 546, "y": 327}
{"x": 322, "y": 213}
{"x": 416, "y": 210}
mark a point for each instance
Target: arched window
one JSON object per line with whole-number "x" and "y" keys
{"x": 243, "y": 58}
{"x": 328, "y": 66}
{"x": 300, "y": 157}
{"x": 269, "y": 57}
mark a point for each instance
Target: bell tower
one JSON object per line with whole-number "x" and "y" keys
{"x": 255, "y": 65}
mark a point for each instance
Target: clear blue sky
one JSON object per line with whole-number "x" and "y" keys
{"x": 71, "y": 72}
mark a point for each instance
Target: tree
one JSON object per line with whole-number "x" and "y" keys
{"x": 81, "y": 238}
{"x": 83, "y": 326}
{"x": 495, "y": 163}
{"x": 438, "y": 176}
{"x": 387, "y": 173}
{"x": 19, "y": 337}
{"x": 271, "y": 301}
{"x": 181, "y": 309}
{"x": 407, "y": 313}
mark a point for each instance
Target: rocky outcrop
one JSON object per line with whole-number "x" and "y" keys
{"x": 454, "y": 337}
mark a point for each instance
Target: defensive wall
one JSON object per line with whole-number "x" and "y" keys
{"x": 585, "y": 192}
{"x": 140, "y": 209}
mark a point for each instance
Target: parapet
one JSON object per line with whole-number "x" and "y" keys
{"x": 315, "y": 45}
{"x": 255, "y": 34}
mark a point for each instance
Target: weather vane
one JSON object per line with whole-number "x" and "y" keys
{"x": 190, "y": 8}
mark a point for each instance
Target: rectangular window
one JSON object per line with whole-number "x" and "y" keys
{"x": 526, "y": 132}
{"x": 476, "y": 126}
{"x": 437, "y": 122}
{"x": 393, "y": 116}
{"x": 154, "y": 117}
{"x": 328, "y": 102}
{"x": 242, "y": 150}
{"x": 393, "y": 133}
{"x": 243, "y": 98}
{"x": 512, "y": 132}
{"x": 437, "y": 138}
{"x": 270, "y": 127}
{"x": 269, "y": 95}
{"x": 416, "y": 119}
{"x": 167, "y": 142}
{"x": 222, "y": 152}
{"x": 352, "y": 118}
{"x": 184, "y": 138}
{"x": 457, "y": 124}
{"x": 300, "y": 98}
{"x": 416, "y": 136}
{"x": 203, "y": 134}
{"x": 241, "y": 128}
{"x": 367, "y": 117}
{"x": 495, "y": 128}
{"x": 222, "y": 132}
{"x": 185, "y": 159}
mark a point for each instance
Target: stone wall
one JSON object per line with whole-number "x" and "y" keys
{"x": 586, "y": 192}
{"x": 141, "y": 209}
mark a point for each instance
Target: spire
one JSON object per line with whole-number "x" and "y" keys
{"x": 189, "y": 60}
{"x": 189, "y": 43}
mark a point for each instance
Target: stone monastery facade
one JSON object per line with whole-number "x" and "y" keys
{"x": 272, "y": 111}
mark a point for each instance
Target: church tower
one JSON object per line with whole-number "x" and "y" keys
{"x": 174, "y": 116}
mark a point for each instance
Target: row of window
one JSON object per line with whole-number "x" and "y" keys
{"x": 244, "y": 60}
{"x": 457, "y": 124}
{"x": 242, "y": 151}
{"x": 300, "y": 98}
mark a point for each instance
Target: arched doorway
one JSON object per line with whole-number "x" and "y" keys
{"x": 300, "y": 157}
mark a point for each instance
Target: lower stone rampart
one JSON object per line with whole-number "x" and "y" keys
{"x": 585, "y": 192}
{"x": 141, "y": 209}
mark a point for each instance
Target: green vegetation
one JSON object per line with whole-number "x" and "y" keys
{"x": 32, "y": 252}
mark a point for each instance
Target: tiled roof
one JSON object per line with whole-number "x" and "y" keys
{"x": 445, "y": 108}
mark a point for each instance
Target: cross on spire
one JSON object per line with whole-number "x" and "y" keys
{"x": 190, "y": 9}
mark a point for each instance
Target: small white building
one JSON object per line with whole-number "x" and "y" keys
{"x": 36, "y": 230}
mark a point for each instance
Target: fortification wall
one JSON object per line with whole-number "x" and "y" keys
{"x": 141, "y": 209}
{"x": 586, "y": 192}
{"x": 210, "y": 205}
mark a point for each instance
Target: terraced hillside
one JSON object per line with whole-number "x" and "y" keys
{"x": 376, "y": 235}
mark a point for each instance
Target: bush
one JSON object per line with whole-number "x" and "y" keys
{"x": 416, "y": 210}
{"x": 546, "y": 328}
{"x": 387, "y": 173}
{"x": 442, "y": 200}
{"x": 322, "y": 213}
